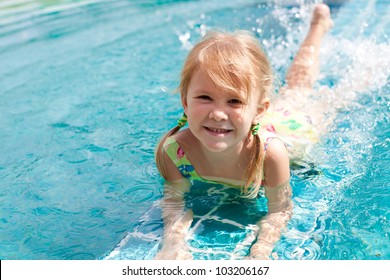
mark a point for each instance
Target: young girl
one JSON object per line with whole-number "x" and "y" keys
{"x": 231, "y": 139}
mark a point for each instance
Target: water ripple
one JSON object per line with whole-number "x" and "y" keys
{"x": 141, "y": 193}
{"x": 299, "y": 249}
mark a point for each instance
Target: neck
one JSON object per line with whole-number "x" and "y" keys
{"x": 228, "y": 163}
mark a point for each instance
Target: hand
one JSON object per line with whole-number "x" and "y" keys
{"x": 260, "y": 251}
{"x": 174, "y": 253}
{"x": 174, "y": 243}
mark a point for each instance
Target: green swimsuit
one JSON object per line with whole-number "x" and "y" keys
{"x": 292, "y": 128}
{"x": 176, "y": 154}
{"x": 178, "y": 157}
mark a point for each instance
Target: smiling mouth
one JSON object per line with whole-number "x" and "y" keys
{"x": 217, "y": 131}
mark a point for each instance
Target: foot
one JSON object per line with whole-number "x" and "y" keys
{"x": 321, "y": 18}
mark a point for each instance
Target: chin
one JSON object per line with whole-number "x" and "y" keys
{"x": 216, "y": 148}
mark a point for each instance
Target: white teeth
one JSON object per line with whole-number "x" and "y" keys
{"x": 218, "y": 130}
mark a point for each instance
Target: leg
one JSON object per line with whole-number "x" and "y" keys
{"x": 297, "y": 98}
{"x": 304, "y": 69}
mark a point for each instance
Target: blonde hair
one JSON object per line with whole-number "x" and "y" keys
{"x": 236, "y": 63}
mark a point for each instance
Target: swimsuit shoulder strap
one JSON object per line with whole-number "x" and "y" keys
{"x": 266, "y": 138}
{"x": 178, "y": 157}
{"x": 266, "y": 142}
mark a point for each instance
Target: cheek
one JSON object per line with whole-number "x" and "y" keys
{"x": 239, "y": 118}
{"x": 245, "y": 120}
{"x": 244, "y": 116}
{"x": 195, "y": 112}
{"x": 241, "y": 121}
{"x": 192, "y": 110}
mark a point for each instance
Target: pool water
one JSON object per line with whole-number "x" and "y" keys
{"x": 85, "y": 95}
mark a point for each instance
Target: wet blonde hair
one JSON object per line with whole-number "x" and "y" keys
{"x": 236, "y": 63}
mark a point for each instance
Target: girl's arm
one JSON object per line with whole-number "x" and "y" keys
{"x": 176, "y": 220}
{"x": 278, "y": 193}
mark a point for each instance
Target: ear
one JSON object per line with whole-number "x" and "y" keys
{"x": 261, "y": 109}
{"x": 184, "y": 103}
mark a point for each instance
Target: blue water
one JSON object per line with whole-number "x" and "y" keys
{"x": 85, "y": 94}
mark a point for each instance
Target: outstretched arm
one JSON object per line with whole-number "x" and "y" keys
{"x": 272, "y": 225}
{"x": 176, "y": 222}
{"x": 278, "y": 193}
{"x": 176, "y": 219}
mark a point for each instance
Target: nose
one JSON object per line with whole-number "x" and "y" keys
{"x": 218, "y": 114}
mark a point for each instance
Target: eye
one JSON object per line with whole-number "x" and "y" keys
{"x": 235, "y": 101}
{"x": 204, "y": 97}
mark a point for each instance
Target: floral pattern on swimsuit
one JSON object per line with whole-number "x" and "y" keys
{"x": 290, "y": 126}
{"x": 178, "y": 157}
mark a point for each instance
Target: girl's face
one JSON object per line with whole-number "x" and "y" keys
{"x": 218, "y": 119}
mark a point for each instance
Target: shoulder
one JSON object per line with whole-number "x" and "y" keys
{"x": 173, "y": 143}
{"x": 171, "y": 172}
{"x": 165, "y": 159}
{"x": 172, "y": 155}
{"x": 185, "y": 138}
{"x": 276, "y": 164}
